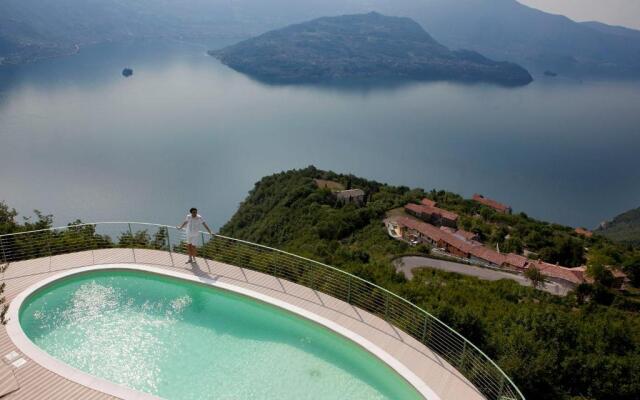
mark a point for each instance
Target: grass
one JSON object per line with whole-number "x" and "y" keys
{"x": 331, "y": 185}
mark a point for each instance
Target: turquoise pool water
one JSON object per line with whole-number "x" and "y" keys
{"x": 180, "y": 340}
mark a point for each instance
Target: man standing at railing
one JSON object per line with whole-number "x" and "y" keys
{"x": 194, "y": 223}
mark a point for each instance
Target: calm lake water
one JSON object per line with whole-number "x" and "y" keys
{"x": 78, "y": 140}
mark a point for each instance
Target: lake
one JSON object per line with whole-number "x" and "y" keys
{"x": 79, "y": 140}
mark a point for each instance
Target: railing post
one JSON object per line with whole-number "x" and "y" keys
{"x": 424, "y": 329}
{"x": 4, "y": 255}
{"x": 463, "y": 354}
{"x": 275, "y": 266}
{"x": 349, "y": 290}
{"x": 133, "y": 251}
{"x": 49, "y": 243}
{"x": 173, "y": 264}
{"x": 501, "y": 390}
{"x": 96, "y": 244}
{"x": 313, "y": 278}
{"x": 386, "y": 307}
{"x": 204, "y": 255}
{"x": 49, "y": 249}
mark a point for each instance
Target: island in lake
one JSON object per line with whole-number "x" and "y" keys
{"x": 363, "y": 47}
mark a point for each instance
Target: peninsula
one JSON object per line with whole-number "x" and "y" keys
{"x": 363, "y": 47}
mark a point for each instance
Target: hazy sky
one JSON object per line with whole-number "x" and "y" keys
{"x": 614, "y": 12}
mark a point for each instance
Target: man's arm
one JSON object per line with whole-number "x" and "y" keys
{"x": 183, "y": 224}
{"x": 206, "y": 226}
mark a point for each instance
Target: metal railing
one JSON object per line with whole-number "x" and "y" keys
{"x": 469, "y": 360}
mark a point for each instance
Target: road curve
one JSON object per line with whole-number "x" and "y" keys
{"x": 407, "y": 264}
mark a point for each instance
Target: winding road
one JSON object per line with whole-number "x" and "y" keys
{"x": 406, "y": 265}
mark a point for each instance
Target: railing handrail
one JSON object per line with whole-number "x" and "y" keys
{"x": 87, "y": 224}
{"x": 386, "y": 291}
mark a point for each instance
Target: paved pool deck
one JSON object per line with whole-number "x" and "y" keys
{"x": 33, "y": 382}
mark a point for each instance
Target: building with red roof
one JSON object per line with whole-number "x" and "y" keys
{"x": 432, "y": 214}
{"x": 485, "y": 255}
{"x": 584, "y": 232}
{"x": 450, "y": 242}
{"x": 499, "y": 207}
{"x": 619, "y": 277}
{"x": 466, "y": 236}
{"x": 469, "y": 236}
{"x": 573, "y": 276}
{"x": 456, "y": 246}
{"x": 428, "y": 202}
{"x": 412, "y": 228}
{"x": 516, "y": 261}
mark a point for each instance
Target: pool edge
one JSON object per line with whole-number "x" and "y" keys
{"x": 39, "y": 356}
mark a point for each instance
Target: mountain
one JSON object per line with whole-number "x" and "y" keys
{"x": 625, "y": 228}
{"x": 34, "y": 29}
{"x": 612, "y": 29}
{"x": 498, "y": 29}
{"x": 506, "y": 29}
{"x": 361, "y": 47}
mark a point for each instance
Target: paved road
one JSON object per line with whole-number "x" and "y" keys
{"x": 406, "y": 265}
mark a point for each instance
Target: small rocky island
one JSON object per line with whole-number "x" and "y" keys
{"x": 127, "y": 72}
{"x": 364, "y": 47}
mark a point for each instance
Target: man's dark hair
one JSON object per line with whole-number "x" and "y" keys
{"x": 193, "y": 209}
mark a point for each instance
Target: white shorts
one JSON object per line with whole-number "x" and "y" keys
{"x": 193, "y": 239}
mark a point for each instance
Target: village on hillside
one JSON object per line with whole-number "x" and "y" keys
{"x": 429, "y": 224}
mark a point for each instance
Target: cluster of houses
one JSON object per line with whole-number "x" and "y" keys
{"x": 438, "y": 227}
{"x": 428, "y": 223}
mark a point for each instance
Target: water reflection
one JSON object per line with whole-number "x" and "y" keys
{"x": 79, "y": 140}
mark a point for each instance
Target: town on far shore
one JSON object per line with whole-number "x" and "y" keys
{"x": 428, "y": 224}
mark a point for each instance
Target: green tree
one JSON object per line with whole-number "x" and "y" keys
{"x": 7, "y": 219}
{"x": 600, "y": 274}
{"x": 632, "y": 268}
{"x": 512, "y": 245}
{"x": 423, "y": 248}
{"x": 565, "y": 250}
{"x": 583, "y": 293}
{"x": 534, "y": 275}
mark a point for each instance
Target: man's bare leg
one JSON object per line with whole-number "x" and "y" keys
{"x": 191, "y": 250}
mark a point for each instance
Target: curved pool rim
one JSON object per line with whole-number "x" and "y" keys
{"x": 39, "y": 356}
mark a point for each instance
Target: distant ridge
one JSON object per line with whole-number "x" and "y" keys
{"x": 361, "y": 47}
{"x": 624, "y": 228}
{"x": 499, "y": 29}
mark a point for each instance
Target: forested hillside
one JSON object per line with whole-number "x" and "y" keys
{"x": 578, "y": 347}
{"x": 625, "y": 228}
{"x": 583, "y": 346}
{"x": 362, "y": 47}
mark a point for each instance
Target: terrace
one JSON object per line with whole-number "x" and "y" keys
{"x": 448, "y": 364}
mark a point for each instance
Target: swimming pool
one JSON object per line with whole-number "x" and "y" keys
{"x": 178, "y": 339}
